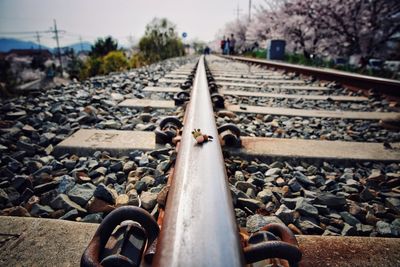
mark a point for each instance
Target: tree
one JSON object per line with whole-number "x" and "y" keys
{"x": 103, "y": 46}
{"x": 114, "y": 61}
{"x": 160, "y": 41}
{"x": 328, "y": 28}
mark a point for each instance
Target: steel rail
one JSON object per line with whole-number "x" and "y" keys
{"x": 199, "y": 227}
{"x": 350, "y": 80}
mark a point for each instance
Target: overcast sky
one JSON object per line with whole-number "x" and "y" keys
{"x": 118, "y": 18}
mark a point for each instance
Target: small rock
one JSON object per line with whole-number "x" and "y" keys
{"x": 348, "y": 218}
{"x": 331, "y": 200}
{"x": 98, "y": 205}
{"x": 251, "y": 204}
{"x": 62, "y": 201}
{"x": 41, "y": 211}
{"x": 306, "y": 208}
{"x": 302, "y": 178}
{"x": 70, "y": 215}
{"x": 265, "y": 195}
{"x": 383, "y": 228}
{"x": 93, "y": 218}
{"x": 255, "y": 222}
{"x": 149, "y": 200}
{"x": 104, "y": 193}
{"x": 349, "y": 230}
{"x": 309, "y": 227}
{"x": 243, "y": 186}
{"x": 82, "y": 193}
{"x": 273, "y": 171}
{"x": 285, "y": 214}
{"x": 122, "y": 200}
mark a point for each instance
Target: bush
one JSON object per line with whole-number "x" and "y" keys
{"x": 160, "y": 41}
{"x": 138, "y": 60}
{"x": 91, "y": 67}
{"x": 114, "y": 61}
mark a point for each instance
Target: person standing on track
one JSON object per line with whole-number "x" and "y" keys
{"x": 232, "y": 45}
{"x": 227, "y": 46}
{"x": 222, "y": 45}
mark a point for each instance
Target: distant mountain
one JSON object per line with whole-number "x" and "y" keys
{"x": 6, "y": 44}
{"x": 85, "y": 46}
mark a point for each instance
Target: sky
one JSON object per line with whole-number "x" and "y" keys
{"x": 125, "y": 20}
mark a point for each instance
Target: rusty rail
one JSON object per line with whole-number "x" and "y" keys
{"x": 199, "y": 226}
{"x": 352, "y": 81}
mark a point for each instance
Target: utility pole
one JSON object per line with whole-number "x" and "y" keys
{"x": 80, "y": 40}
{"x": 58, "y": 46}
{"x": 237, "y": 10}
{"x": 249, "y": 10}
{"x": 38, "y": 40}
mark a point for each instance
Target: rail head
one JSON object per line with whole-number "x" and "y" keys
{"x": 351, "y": 80}
{"x": 199, "y": 227}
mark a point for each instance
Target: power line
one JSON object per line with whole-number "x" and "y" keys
{"x": 55, "y": 31}
{"x": 38, "y": 40}
{"x": 237, "y": 10}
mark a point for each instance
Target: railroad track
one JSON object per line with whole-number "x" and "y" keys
{"x": 292, "y": 150}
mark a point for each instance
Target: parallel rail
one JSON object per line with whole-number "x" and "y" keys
{"x": 350, "y": 80}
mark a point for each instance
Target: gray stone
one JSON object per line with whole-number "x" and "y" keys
{"x": 3, "y": 197}
{"x": 116, "y": 166}
{"x": 243, "y": 186}
{"x": 104, "y": 193}
{"x": 273, "y": 171}
{"x": 98, "y": 172}
{"x": 285, "y": 214}
{"x": 265, "y": 195}
{"x": 66, "y": 183}
{"x": 364, "y": 229}
{"x": 70, "y": 215}
{"x": 255, "y": 222}
{"x": 62, "y": 201}
{"x": 294, "y": 185}
{"x": 81, "y": 193}
{"x": 331, "y": 200}
{"x": 93, "y": 218}
{"x": 148, "y": 180}
{"x": 383, "y": 228}
{"x": 239, "y": 176}
{"x": 251, "y": 204}
{"x": 149, "y": 200}
{"x": 290, "y": 202}
{"x": 349, "y": 230}
{"x": 40, "y": 210}
{"x": 302, "y": 178}
{"x": 395, "y": 225}
{"x": 309, "y": 227}
{"x": 306, "y": 208}
{"x": 350, "y": 219}
{"x": 129, "y": 166}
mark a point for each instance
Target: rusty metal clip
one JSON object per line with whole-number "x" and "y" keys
{"x": 273, "y": 241}
{"x": 230, "y": 135}
{"x": 143, "y": 231}
{"x": 168, "y": 129}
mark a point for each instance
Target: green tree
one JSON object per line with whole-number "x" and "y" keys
{"x": 91, "y": 67}
{"x": 103, "y": 46}
{"x": 114, "y": 61}
{"x": 160, "y": 41}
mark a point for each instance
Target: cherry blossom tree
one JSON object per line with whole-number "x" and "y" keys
{"x": 327, "y": 28}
